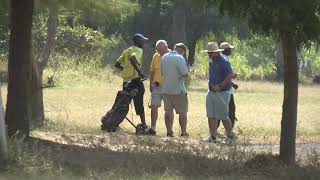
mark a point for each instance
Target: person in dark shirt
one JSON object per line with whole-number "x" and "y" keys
{"x": 218, "y": 97}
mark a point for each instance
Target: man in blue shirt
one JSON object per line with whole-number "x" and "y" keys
{"x": 217, "y": 102}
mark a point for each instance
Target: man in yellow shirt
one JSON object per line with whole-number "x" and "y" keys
{"x": 129, "y": 62}
{"x": 156, "y": 83}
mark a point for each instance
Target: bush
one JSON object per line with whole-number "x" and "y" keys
{"x": 72, "y": 40}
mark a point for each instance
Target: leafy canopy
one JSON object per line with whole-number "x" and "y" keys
{"x": 299, "y": 19}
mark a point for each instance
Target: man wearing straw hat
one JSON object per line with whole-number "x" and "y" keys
{"x": 217, "y": 101}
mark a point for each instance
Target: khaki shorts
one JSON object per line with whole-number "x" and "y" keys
{"x": 179, "y": 102}
{"x": 156, "y": 96}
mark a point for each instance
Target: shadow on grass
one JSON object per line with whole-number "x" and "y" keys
{"x": 82, "y": 161}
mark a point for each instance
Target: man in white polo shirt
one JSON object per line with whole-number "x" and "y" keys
{"x": 174, "y": 70}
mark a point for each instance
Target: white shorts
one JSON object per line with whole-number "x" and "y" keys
{"x": 156, "y": 96}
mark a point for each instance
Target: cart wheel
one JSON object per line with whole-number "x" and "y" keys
{"x": 140, "y": 129}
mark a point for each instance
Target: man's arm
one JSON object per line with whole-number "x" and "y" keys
{"x": 182, "y": 66}
{"x": 226, "y": 80}
{"x": 134, "y": 63}
{"x": 118, "y": 65}
{"x": 228, "y": 71}
{"x": 151, "y": 74}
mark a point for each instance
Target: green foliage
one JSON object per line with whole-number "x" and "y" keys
{"x": 299, "y": 19}
{"x": 68, "y": 72}
{"x": 72, "y": 38}
{"x": 252, "y": 58}
{"x": 80, "y": 40}
{"x": 311, "y": 63}
{"x": 4, "y": 27}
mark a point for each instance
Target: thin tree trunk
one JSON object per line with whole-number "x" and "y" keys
{"x": 179, "y": 22}
{"x": 192, "y": 52}
{"x": 18, "y": 110}
{"x": 290, "y": 101}
{"x": 3, "y": 135}
{"x": 37, "y": 118}
{"x": 51, "y": 34}
{"x": 280, "y": 61}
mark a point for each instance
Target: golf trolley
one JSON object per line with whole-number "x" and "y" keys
{"x": 113, "y": 118}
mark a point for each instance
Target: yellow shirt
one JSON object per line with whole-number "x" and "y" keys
{"x": 128, "y": 71}
{"x": 156, "y": 68}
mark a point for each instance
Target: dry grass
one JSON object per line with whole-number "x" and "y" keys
{"x": 259, "y": 107}
{"x": 122, "y": 156}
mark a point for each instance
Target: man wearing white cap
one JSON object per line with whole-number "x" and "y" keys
{"x": 232, "y": 108}
{"x": 217, "y": 101}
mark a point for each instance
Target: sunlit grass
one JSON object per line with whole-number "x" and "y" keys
{"x": 78, "y": 109}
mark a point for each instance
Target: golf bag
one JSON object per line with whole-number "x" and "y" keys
{"x": 113, "y": 118}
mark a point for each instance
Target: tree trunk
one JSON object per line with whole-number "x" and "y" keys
{"x": 280, "y": 61}
{"x": 289, "y": 107}
{"x": 18, "y": 110}
{"x": 37, "y": 118}
{"x": 3, "y": 135}
{"x": 37, "y": 108}
{"x": 179, "y": 22}
{"x": 192, "y": 52}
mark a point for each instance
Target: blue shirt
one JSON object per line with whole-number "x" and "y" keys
{"x": 219, "y": 69}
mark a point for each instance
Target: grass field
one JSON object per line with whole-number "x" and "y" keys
{"x": 78, "y": 109}
{"x": 259, "y": 107}
{"x": 73, "y": 129}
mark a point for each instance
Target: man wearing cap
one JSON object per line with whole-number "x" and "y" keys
{"x": 156, "y": 82}
{"x": 174, "y": 70}
{"x": 129, "y": 63}
{"x": 232, "y": 108}
{"x": 217, "y": 101}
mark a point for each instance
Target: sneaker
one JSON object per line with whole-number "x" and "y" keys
{"x": 151, "y": 132}
{"x": 210, "y": 139}
{"x": 170, "y": 134}
{"x": 228, "y": 141}
{"x": 144, "y": 126}
{"x": 184, "y": 135}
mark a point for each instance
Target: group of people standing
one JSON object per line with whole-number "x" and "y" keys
{"x": 167, "y": 75}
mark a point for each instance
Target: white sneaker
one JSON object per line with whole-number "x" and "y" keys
{"x": 209, "y": 139}
{"x": 228, "y": 141}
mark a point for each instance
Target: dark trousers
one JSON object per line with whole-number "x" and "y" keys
{"x": 232, "y": 111}
{"x": 138, "y": 99}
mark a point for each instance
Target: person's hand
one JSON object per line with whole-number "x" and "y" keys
{"x": 211, "y": 87}
{"x": 235, "y": 75}
{"x": 235, "y": 86}
{"x": 215, "y": 88}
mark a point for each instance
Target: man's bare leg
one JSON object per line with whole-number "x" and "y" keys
{"x": 154, "y": 116}
{"x": 168, "y": 116}
{"x": 183, "y": 122}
